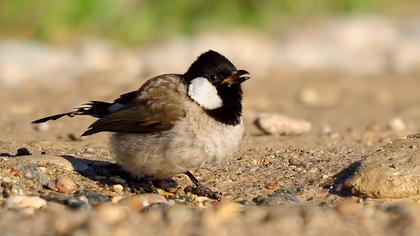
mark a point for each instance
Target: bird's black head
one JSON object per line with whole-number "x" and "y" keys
{"x": 215, "y": 84}
{"x": 217, "y": 69}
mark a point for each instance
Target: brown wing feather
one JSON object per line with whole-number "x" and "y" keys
{"x": 158, "y": 105}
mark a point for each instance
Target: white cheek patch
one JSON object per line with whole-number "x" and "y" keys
{"x": 204, "y": 93}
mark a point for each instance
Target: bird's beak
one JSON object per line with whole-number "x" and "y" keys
{"x": 237, "y": 77}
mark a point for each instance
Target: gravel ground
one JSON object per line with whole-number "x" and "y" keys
{"x": 53, "y": 182}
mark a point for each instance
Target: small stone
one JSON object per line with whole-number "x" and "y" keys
{"x": 273, "y": 123}
{"x": 93, "y": 198}
{"x": 279, "y": 197}
{"x": 63, "y": 162}
{"x": 203, "y": 202}
{"x": 223, "y": 213}
{"x": 315, "y": 98}
{"x": 110, "y": 213}
{"x": 34, "y": 172}
{"x": 11, "y": 185}
{"x": 65, "y": 185}
{"x": 18, "y": 202}
{"x": 23, "y": 152}
{"x": 41, "y": 126}
{"x": 272, "y": 186}
{"x": 118, "y": 187}
{"x": 397, "y": 125}
{"x": 326, "y": 129}
{"x": 82, "y": 199}
{"x": 397, "y": 208}
{"x": 140, "y": 202}
{"x": 90, "y": 150}
{"x": 117, "y": 199}
{"x": 309, "y": 96}
{"x": 70, "y": 201}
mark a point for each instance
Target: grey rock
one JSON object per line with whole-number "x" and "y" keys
{"x": 391, "y": 172}
{"x": 279, "y": 197}
{"x": 65, "y": 185}
{"x": 82, "y": 199}
{"x": 273, "y": 123}
{"x": 33, "y": 172}
{"x": 11, "y": 185}
{"x": 68, "y": 163}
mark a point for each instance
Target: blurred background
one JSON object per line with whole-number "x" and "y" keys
{"x": 328, "y": 55}
{"x": 355, "y": 36}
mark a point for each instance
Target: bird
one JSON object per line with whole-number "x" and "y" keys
{"x": 174, "y": 123}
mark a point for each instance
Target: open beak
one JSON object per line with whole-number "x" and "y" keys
{"x": 237, "y": 77}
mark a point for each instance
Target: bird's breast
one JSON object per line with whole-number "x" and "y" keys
{"x": 211, "y": 139}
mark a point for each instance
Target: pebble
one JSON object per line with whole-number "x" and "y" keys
{"x": 66, "y": 163}
{"x": 41, "y": 126}
{"x": 93, "y": 198}
{"x": 279, "y": 197}
{"x": 90, "y": 150}
{"x": 111, "y": 213}
{"x": 326, "y": 129}
{"x": 203, "y": 202}
{"x": 117, "y": 199}
{"x": 397, "y": 125}
{"x": 309, "y": 96}
{"x": 70, "y": 201}
{"x": 392, "y": 208}
{"x": 18, "y": 202}
{"x": 272, "y": 186}
{"x": 224, "y": 213}
{"x": 34, "y": 172}
{"x": 118, "y": 187}
{"x": 140, "y": 202}
{"x": 22, "y": 152}
{"x": 65, "y": 185}
{"x": 82, "y": 199}
{"x": 312, "y": 97}
{"x": 273, "y": 123}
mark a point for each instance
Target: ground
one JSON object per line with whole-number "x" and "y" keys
{"x": 274, "y": 184}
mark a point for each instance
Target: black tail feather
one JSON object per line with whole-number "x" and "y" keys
{"x": 94, "y": 108}
{"x": 54, "y": 117}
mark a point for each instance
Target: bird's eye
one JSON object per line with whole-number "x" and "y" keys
{"x": 213, "y": 78}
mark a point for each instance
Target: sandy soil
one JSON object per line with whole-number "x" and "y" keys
{"x": 350, "y": 117}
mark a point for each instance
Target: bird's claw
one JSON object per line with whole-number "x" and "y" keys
{"x": 201, "y": 190}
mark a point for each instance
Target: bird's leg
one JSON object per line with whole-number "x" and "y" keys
{"x": 150, "y": 184}
{"x": 200, "y": 189}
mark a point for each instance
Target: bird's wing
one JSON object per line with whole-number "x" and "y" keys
{"x": 155, "y": 107}
{"x": 95, "y": 108}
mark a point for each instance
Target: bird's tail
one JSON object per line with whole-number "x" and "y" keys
{"x": 94, "y": 108}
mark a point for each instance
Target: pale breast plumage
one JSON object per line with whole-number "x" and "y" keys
{"x": 194, "y": 140}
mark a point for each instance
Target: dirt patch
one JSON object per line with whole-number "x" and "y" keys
{"x": 294, "y": 175}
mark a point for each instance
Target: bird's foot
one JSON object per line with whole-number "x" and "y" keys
{"x": 201, "y": 190}
{"x": 168, "y": 185}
